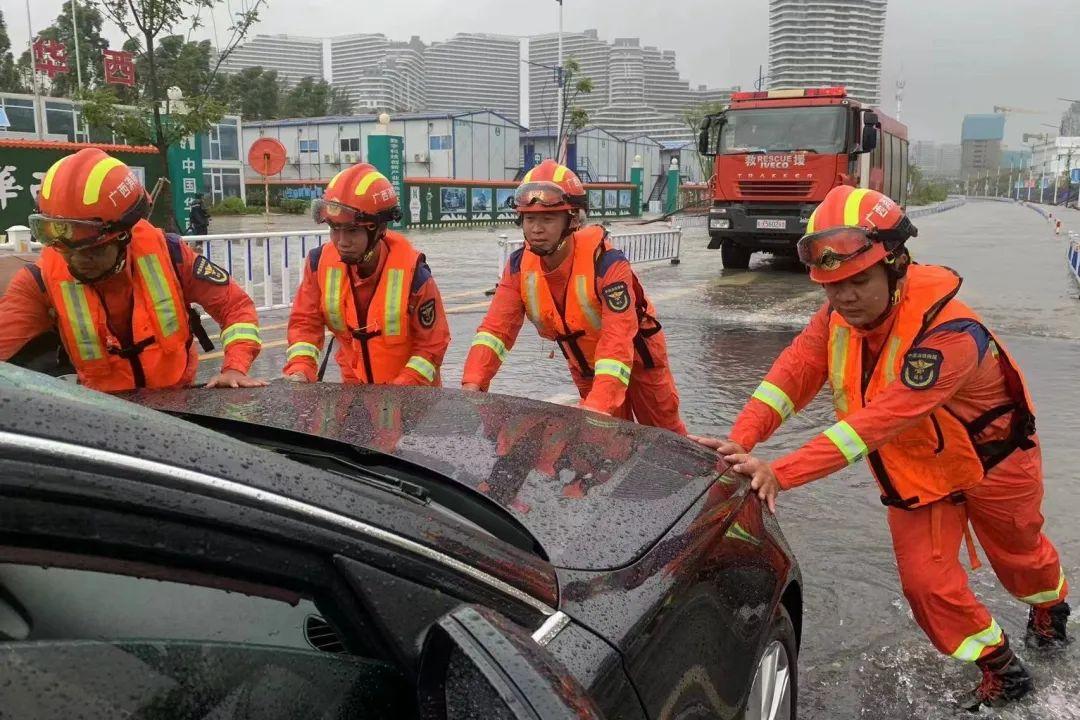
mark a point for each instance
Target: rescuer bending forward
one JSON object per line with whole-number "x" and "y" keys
{"x": 931, "y": 399}
{"x": 580, "y": 292}
{"x": 117, "y": 289}
{"x": 371, "y": 288}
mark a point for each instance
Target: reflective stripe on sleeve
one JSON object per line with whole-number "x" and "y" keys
{"x": 972, "y": 648}
{"x": 423, "y": 367}
{"x": 302, "y": 349}
{"x": 1047, "y": 595}
{"x": 775, "y": 398}
{"x": 492, "y": 343}
{"x": 240, "y": 331}
{"x": 619, "y": 370}
{"x": 847, "y": 441}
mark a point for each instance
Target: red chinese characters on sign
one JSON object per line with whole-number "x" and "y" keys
{"x": 50, "y": 57}
{"x": 119, "y": 67}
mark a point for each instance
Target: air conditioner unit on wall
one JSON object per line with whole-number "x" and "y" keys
{"x": 420, "y": 157}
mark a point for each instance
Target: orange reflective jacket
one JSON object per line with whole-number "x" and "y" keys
{"x": 381, "y": 346}
{"x": 939, "y": 455}
{"x": 577, "y": 328}
{"x": 160, "y": 332}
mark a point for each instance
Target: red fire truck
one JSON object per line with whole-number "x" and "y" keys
{"x": 777, "y": 154}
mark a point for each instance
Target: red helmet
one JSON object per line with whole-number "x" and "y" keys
{"x": 550, "y": 186}
{"x": 851, "y": 230}
{"x": 357, "y": 195}
{"x": 87, "y": 199}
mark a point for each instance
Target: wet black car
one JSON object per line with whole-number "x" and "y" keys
{"x": 305, "y": 551}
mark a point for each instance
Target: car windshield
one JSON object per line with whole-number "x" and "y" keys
{"x": 809, "y": 129}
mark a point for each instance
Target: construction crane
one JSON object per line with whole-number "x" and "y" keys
{"x": 1004, "y": 110}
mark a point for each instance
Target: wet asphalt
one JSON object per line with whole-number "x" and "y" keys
{"x": 862, "y": 654}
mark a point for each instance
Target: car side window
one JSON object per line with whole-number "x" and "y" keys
{"x": 91, "y": 643}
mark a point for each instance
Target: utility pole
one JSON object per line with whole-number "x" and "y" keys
{"x": 39, "y": 121}
{"x": 559, "y": 93}
{"x": 75, "y": 37}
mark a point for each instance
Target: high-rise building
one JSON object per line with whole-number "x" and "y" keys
{"x": 294, "y": 58}
{"x": 471, "y": 71}
{"x": 980, "y": 144}
{"x": 704, "y": 94}
{"x": 636, "y": 90}
{"x": 379, "y": 74}
{"x": 936, "y": 160}
{"x": 814, "y": 43}
{"x": 591, "y": 53}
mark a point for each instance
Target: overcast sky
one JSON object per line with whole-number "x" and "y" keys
{"x": 956, "y": 56}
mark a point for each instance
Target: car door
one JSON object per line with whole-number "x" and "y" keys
{"x": 109, "y": 607}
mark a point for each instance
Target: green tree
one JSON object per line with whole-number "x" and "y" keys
{"x": 152, "y": 23}
{"x": 694, "y": 119}
{"x": 311, "y": 98}
{"x": 92, "y": 46}
{"x": 574, "y": 117}
{"x": 9, "y": 76}
{"x": 252, "y": 93}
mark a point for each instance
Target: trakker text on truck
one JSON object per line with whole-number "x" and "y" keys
{"x": 779, "y": 152}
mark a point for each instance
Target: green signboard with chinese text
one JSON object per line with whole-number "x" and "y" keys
{"x": 387, "y": 154}
{"x": 185, "y": 177}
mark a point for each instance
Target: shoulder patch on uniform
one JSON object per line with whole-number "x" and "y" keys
{"x": 208, "y": 271}
{"x": 922, "y": 366}
{"x": 616, "y": 296}
{"x": 426, "y": 313}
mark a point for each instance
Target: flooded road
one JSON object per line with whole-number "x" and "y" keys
{"x": 863, "y": 656}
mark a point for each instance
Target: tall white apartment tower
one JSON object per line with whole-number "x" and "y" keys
{"x": 815, "y": 43}
{"x": 473, "y": 71}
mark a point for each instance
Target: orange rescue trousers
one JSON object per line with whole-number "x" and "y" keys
{"x": 1004, "y": 510}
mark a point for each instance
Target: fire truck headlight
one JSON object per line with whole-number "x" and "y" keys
{"x": 719, "y": 223}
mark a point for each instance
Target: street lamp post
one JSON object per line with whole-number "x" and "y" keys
{"x": 559, "y": 93}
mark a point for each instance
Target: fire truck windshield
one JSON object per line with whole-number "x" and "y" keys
{"x": 809, "y": 129}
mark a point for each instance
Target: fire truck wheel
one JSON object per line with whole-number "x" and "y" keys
{"x": 735, "y": 257}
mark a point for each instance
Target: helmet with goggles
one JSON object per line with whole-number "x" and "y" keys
{"x": 549, "y": 187}
{"x": 358, "y": 196}
{"x": 851, "y": 230}
{"x": 87, "y": 199}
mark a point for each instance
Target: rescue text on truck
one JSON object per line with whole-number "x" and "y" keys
{"x": 777, "y": 153}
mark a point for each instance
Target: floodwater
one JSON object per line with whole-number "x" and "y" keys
{"x": 862, "y": 656}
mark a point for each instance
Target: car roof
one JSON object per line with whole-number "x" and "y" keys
{"x": 35, "y": 406}
{"x": 596, "y": 492}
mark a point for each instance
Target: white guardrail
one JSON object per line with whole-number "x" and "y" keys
{"x": 269, "y": 265}
{"x": 638, "y": 247}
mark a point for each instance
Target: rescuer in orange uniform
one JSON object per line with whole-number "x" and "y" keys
{"x": 580, "y": 292}
{"x": 931, "y": 398}
{"x": 369, "y": 272}
{"x": 117, "y": 288}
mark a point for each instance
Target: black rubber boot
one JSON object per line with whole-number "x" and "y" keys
{"x": 1046, "y": 627}
{"x": 1005, "y": 679}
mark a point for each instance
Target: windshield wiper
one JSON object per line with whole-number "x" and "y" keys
{"x": 746, "y": 151}
{"x": 359, "y": 473}
{"x": 805, "y": 150}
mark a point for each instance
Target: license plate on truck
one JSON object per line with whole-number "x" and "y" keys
{"x": 772, "y": 224}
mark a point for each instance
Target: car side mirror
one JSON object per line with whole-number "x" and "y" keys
{"x": 476, "y": 663}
